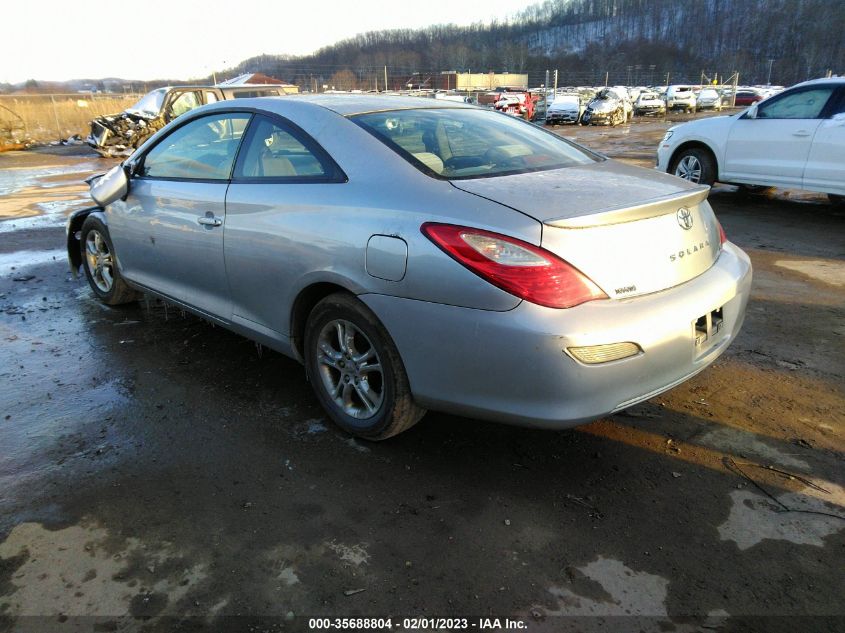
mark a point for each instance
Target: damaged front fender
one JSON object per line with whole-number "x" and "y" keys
{"x": 121, "y": 134}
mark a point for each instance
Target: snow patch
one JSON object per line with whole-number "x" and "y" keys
{"x": 356, "y": 555}
{"x": 754, "y": 518}
{"x": 624, "y": 592}
{"x": 735, "y": 441}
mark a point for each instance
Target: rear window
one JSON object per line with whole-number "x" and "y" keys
{"x": 454, "y": 143}
{"x": 249, "y": 94}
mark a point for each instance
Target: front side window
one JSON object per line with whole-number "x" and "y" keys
{"x": 457, "y": 143}
{"x": 801, "y": 104}
{"x": 203, "y": 149}
{"x": 185, "y": 102}
{"x": 275, "y": 150}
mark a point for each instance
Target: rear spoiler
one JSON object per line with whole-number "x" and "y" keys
{"x": 649, "y": 209}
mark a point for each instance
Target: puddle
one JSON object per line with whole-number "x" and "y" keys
{"x": 54, "y": 214}
{"x": 20, "y": 260}
{"x": 826, "y": 271}
{"x": 53, "y": 418}
{"x": 14, "y": 179}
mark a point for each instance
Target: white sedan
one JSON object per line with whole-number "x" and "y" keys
{"x": 794, "y": 139}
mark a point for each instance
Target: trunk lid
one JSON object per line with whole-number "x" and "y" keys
{"x": 632, "y": 231}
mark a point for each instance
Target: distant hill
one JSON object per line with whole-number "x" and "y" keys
{"x": 627, "y": 41}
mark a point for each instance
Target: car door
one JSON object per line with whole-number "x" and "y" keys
{"x": 169, "y": 231}
{"x": 284, "y": 186}
{"x": 773, "y": 146}
{"x": 825, "y": 170}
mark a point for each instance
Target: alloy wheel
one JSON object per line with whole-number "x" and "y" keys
{"x": 689, "y": 168}
{"x": 99, "y": 260}
{"x": 350, "y": 369}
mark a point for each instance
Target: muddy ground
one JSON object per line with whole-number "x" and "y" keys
{"x": 160, "y": 474}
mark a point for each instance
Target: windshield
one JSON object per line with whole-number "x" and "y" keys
{"x": 149, "y": 104}
{"x": 471, "y": 143}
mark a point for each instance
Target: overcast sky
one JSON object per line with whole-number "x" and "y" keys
{"x": 148, "y": 39}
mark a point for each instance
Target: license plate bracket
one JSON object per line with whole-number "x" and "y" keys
{"x": 706, "y": 327}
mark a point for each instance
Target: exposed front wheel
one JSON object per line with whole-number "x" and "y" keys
{"x": 355, "y": 370}
{"x": 694, "y": 164}
{"x": 98, "y": 259}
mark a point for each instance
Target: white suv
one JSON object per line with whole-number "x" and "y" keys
{"x": 680, "y": 97}
{"x": 794, "y": 139}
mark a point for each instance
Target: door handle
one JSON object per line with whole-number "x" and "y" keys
{"x": 801, "y": 133}
{"x": 210, "y": 221}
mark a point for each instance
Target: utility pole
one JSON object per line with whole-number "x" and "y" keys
{"x": 546, "y": 96}
{"x": 385, "y": 77}
{"x": 769, "y": 79}
{"x": 555, "y": 92}
{"x": 606, "y": 78}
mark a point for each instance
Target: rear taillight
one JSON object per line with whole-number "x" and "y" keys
{"x": 517, "y": 267}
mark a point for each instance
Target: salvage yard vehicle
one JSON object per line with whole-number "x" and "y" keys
{"x": 680, "y": 98}
{"x": 607, "y": 107}
{"x": 709, "y": 98}
{"x": 120, "y": 134}
{"x": 747, "y": 97}
{"x": 649, "y": 103}
{"x": 795, "y": 139}
{"x": 518, "y": 104}
{"x": 400, "y": 248}
{"x": 566, "y": 108}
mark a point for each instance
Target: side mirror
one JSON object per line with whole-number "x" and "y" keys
{"x": 111, "y": 186}
{"x": 751, "y": 113}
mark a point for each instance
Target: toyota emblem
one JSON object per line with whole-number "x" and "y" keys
{"x": 684, "y": 216}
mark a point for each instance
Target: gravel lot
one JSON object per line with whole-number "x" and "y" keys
{"x": 160, "y": 474}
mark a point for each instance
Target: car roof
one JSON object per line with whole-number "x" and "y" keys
{"x": 349, "y": 105}
{"x": 823, "y": 80}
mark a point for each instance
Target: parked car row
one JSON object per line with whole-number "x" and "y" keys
{"x": 596, "y": 104}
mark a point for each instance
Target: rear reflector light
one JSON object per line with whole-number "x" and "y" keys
{"x": 722, "y": 235}
{"x": 595, "y": 354}
{"x": 522, "y": 269}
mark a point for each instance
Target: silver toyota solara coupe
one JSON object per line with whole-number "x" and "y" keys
{"x": 419, "y": 255}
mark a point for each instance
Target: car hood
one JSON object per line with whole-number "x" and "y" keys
{"x": 572, "y": 192}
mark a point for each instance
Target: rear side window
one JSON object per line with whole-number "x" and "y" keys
{"x": 801, "y": 104}
{"x": 202, "y": 149}
{"x": 274, "y": 150}
{"x": 248, "y": 94}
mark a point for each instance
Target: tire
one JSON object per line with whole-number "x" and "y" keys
{"x": 344, "y": 343}
{"x": 694, "y": 164}
{"x": 99, "y": 262}
{"x": 836, "y": 200}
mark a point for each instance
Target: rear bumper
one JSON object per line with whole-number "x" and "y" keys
{"x": 513, "y": 366}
